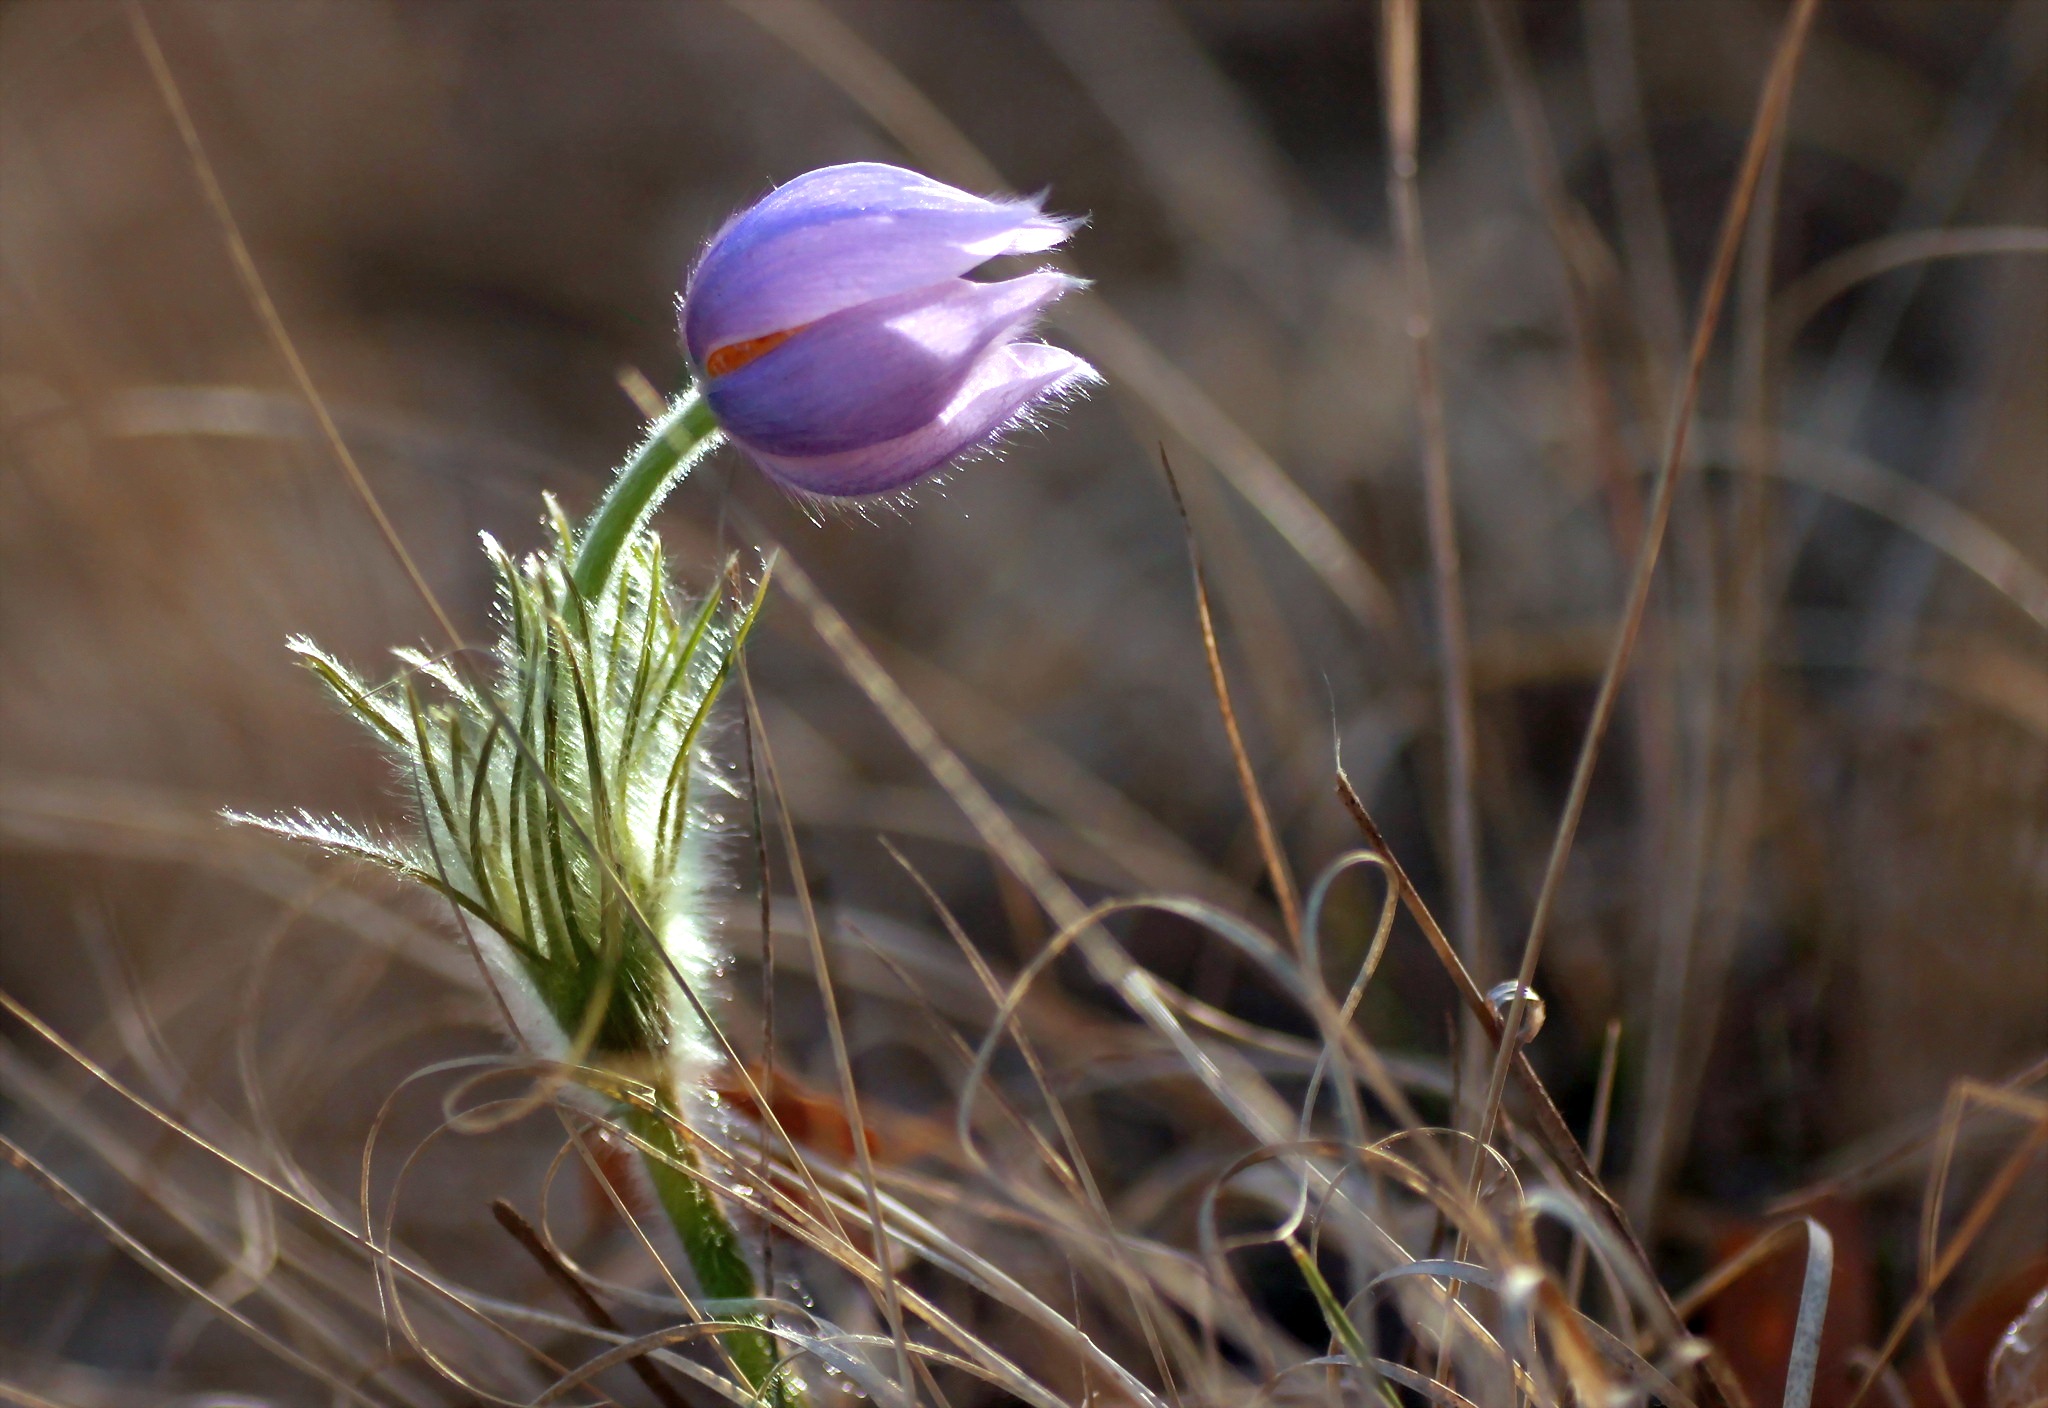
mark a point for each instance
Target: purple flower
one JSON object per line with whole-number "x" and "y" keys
{"x": 837, "y": 342}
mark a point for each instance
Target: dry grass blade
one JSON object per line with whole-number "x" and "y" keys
{"x": 1894, "y": 1153}
{"x": 311, "y": 1324}
{"x": 842, "y": 1060}
{"x": 1400, "y": 22}
{"x": 1596, "y": 1145}
{"x": 1555, "y": 1133}
{"x": 390, "y": 1263}
{"x": 996, "y": 828}
{"x": 76, "y": 1204}
{"x": 25, "y": 1397}
{"x": 1284, "y": 891}
{"x": 1771, "y": 111}
{"x": 1935, "y": 1273}
{"x": 1796, "y": 303}
{"x": 266, "y": 311}
{"x": 521, "y": 1231}
{"x": 1804, "y": 1363}
{"x": 1961, "y": 536}
{"x": 1624, "y": 134}
{"x": 1695, "y": 948}
{"x": 1067, "y": 1163}
{"x": 1151, "y": 853}
{"x": 1138, "y": 366}
{"x": 1815, "y": 1283}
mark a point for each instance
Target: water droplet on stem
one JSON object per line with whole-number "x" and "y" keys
{"x": 1501, "y": 997}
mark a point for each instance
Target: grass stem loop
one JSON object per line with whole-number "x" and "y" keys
{"x": 675, "y": 442}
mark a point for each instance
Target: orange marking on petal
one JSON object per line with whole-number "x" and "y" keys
{"x": 734, "y": 355}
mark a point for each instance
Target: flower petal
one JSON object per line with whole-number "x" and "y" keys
{"x": 876, "y": 371}
{"x": 841, "y": 236}
{"x": 995, "y": 397}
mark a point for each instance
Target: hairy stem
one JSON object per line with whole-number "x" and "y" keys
{"x": 713, "y": 1246}
{"x": 683, "y": 435}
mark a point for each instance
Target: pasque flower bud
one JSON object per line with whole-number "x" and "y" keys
{"x": 559, "y": 791}
{"x": 837, "y": 343}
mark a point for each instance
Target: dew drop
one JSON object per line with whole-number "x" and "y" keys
{"x": 2019, "y": 1366}
{"x": 1501, "y": 996}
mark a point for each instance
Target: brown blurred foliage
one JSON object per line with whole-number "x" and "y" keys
{"x": 1813, "y": 881}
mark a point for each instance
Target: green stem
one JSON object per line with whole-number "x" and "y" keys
{"x": 684, "y": 434}
{"x": 723, "y": 1272}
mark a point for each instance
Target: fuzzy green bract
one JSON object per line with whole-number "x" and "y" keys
{"x": 560, "y": 794}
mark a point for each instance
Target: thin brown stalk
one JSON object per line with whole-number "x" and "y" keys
{"x": 770, "y": 1060}
{"x": 1275, "y": 674}
{"x": 1894, "y": 1151}
{"x": 1400, "y": 23}
{"x": 1775, "y": 100}
{"x": 266, "y": 311}
{"x": 522, "y": 1232}
{"x": 1549, "y": 1124}
{"x": 1071, "y": 1168}
{"x": 1972, "y": 1227}
{"x": 156, "y": 1192}
{"x": 384, "y": 1256}
{"x": 76, "y": 1204}
{"x": 1582, "y": 256}
{"x": 1143, "y": 849}
{"x": 1665, "y": 826}
{"x": 1690, "y": 982}
{"x": 1618, "y": 102}
{"x": 15, "y": 1393}
{"x": 1819, "y": 286}
{"x": 1596, "y": 1147}
{"x": 1277, "y": 872}
{"x": 842, "y": 1060}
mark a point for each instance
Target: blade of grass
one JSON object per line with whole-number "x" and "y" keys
{"x": 1596, "y": 1147}
{"x": 1618, "y": 103}
{"x": 521, "y": 1231}
{"x": 1070, "y": 1169}
{"x": 1973, "y": 1225}
{"x": 1556, "y": 1135}
{"x": 1772, "y": 106}
{"x": 1400, "y": 23}
{"x": 1804, "y": 1360}
{"x": 77, "y": 1205}
{"x": 842, "y": 1059}
{"x": 1696, "y": 949}
{"x": 1674, "y": 654}
{"x": 1795, "y": 304}
{"x": 265, "y": 308}
{"x": 1284, "y": 891}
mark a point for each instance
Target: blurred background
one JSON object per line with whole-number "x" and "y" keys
{"x": 1812, "y": 881}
